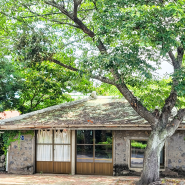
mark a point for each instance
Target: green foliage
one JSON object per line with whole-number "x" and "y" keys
{"x": 137, "y": 35}
{"x": 32, "y": 82}
{"x": 47, "y": 84}
{"x": 107, "y": 90}
{"x": 10, "y": 83}
{"x": 33, "y": 46}
{"x": 10, "y": 136}
{"x": 180, "y": 76}
{"x": 146, "y": 91}
{"x": 138, "y": 144}
{"x": 149, "y": 91}
{"x": 109, "y": 141}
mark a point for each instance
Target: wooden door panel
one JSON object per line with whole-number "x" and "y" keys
{"x": 94, "y": 168}
{"x": 39, "y": 167}
{"x": 62, "y": 167}
{"x": 44, "y": 166}
{"x": 103, "y": 168}
{"x": 84, "y": 168}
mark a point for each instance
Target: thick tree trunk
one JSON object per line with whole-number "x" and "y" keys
{"x": 152, "y": 159}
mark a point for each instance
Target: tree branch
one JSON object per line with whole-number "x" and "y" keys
{"x": 57, "y": 21}
{"x": 61, "y": 8}
{"x": 76, "y": 4}
{"x": 171, "y": 55}
{"x": 177, "y": 119}
{"x": 94, "y": 2}
{"x": 37, "y": 15}
{"x": 171, "y": 100}
{"x": 177, "y": 62}
{"x": 123, "y": 89}
{"x": 64, "y": 65}
{"x": 40, "y": 100}
{"x": 174, "y": 124}
{"x": 80, "y": 24}
{"x": 102, "y": 79}
{"x": 75, "y": 9}
{"x": 136, "y": 104}
{"x": 180, "y": 53}
{"x": 52, "y": 20}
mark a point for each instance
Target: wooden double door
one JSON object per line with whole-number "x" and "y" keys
{"x": 94, "y": 152}
{"x": 53, "y": 151}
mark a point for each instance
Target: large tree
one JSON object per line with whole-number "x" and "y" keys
{"x": 28, "y": 82}
{"x": 9, "y": 78}
{"x": 46, "y": 84}
{"x": 119, "y": 40}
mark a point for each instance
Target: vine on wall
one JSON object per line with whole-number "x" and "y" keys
{"x": 10, "y": 136}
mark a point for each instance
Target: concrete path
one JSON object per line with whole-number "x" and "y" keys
{"x": 56, "y": 179}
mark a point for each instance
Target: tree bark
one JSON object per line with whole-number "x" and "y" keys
{"x": 151, "y": 161}
{"x": 155, "y": 143}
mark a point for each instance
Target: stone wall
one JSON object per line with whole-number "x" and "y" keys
{"x": 121, "y": 157}
{"x": 21, "y": 156}
{"x": 2, "y": 163}
{"x": 174, "y": 153}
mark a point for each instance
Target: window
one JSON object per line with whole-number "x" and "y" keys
{"x": 53, "y": 145}
{"x": 94, "y": 146}
{"x": 137, "y": 154}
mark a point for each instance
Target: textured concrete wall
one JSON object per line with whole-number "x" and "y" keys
{"x": 176, "y": 152}
{"x": 121, "y": 156}
{"x": 21, "y": 156}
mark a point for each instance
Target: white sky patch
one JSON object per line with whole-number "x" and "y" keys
{"x": 166, "y": 68}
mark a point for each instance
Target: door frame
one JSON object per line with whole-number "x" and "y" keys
{"x": 64, "y": 166}
{"x": 93, "y": 165}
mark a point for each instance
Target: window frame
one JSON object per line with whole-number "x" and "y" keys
{"x": 128, "y": 149}
{"x": 52, "y": 144}
{"x": 94, "y": 145}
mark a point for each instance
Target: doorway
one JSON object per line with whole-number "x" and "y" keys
{"x": 94, "y": 152}
{"x": 53, "y": 151}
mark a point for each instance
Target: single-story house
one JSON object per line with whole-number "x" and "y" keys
{"x": 94, "y": 135}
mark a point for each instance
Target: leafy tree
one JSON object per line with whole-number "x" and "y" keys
{"x": 40, "y": 84}
{"x": 9, "y": 84}
{"x": 9, "y": 78}
{"x": 119, "y": 40}
{"x": 47, "y": 84}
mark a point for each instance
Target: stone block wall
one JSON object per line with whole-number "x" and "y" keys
{"x": 2, "y": 163}
{"x": 175, "y": 153}
{"x": 121, "y": 155}
{"x": 21, "y": 156}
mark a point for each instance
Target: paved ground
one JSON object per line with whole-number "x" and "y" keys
{"x": 74, "y": 180}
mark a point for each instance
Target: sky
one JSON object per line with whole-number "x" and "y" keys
{"x": 165, "y": 68}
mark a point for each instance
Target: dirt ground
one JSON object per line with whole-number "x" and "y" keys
{"x": 163, "y": 182}
{"x": 57, "y": 179}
